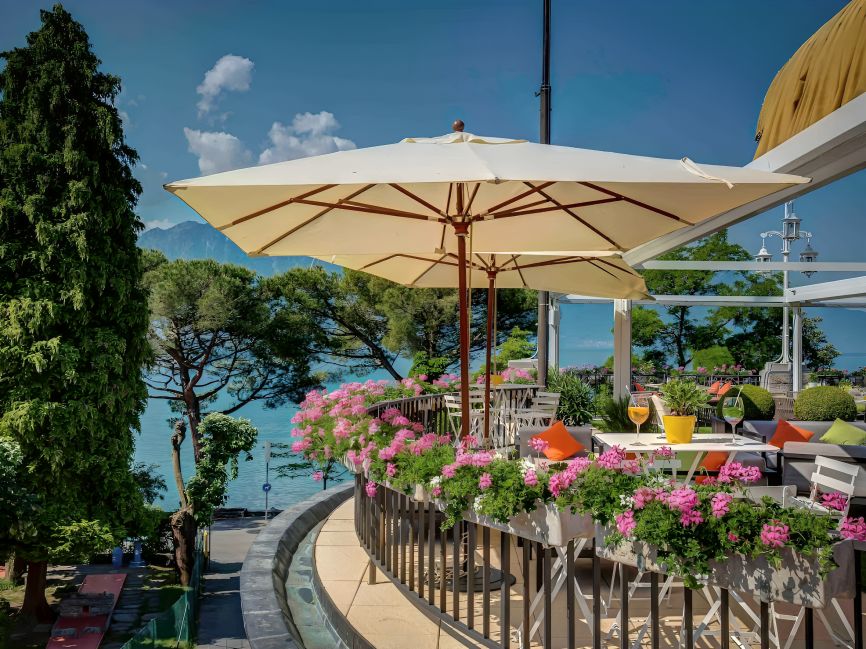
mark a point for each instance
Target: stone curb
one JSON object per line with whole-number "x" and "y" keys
{"x": 267, "y": 619}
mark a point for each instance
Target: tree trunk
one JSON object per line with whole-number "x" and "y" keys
{"x": 15, "y": 568}
{"x": 176, "y": 440}
{"x": 183, "y": 529}
{"x": 35, "y": 606}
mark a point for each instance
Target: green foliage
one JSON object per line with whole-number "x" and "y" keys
{"x": 215, "y": 330}
{"x": 515, "y": 347}
{"x": 223, "y": 440}
{"x": 7, "y": 622}
{"x": 18, "y": 508}
{"x": 683, "y": 397}
{"x": 157, "y": 538}
{"x": 150, "y": 483}
{"x": 825, "y": 403}
{"x": 575, "y": 397}
{"x": 817, "y": 351}
{"x": 758, "y": 403}
{"x": 73, "y": 315}
{"x": 752, "y": 335}
{"x": 614, "y": 412}
{"x": 432, "y": 368}
{"x": 712, "y": 357}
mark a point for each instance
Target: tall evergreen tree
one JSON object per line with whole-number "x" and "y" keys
{"x": 72, "y": 313}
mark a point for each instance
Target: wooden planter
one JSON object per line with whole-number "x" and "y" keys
{"x": 546, "y": 525}
{"x": 796, "y": 581}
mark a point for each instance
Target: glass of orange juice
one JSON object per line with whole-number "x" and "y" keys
{"x": 638, "y": 412}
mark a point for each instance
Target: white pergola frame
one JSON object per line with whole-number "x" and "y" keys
{"x": 830, "y": 149}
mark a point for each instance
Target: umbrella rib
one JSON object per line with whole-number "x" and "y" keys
{"x": 557, "y": 262}
{"x": 468, "y": 261}
{"x": 605, "y": 270}
{"x": 522, "y": 207}
{"x": 471, "y": 198}
{"x": 307, "y": 222}
{"x": 448, "y": 202}
{"x": 520, "y": 272}
{"x": 634, "y": 202}
{"x": 602, "y": 201}
{"x": 415, "y": 197}
{"x": 431, "y": 267}
{"x": 273, "y": 207}
{"x": 523, "y": 195}
{"x": 580, "y": 220}
{"x": 405, "y": 256}
{"x": 366, "y": 209}
{"x": 484, "y": 264}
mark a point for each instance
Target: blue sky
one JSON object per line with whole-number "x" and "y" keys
{"x": 667, "y": 79}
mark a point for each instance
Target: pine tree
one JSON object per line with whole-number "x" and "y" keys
{"x": 72, "y": 314}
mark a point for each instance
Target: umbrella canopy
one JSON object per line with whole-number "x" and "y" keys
{"x": 520, "y": 196}
{"x": 607, "y": 276}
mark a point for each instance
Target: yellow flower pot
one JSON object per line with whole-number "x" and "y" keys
{"x": 679, "y": 430}
{"x": 496, "y": 379}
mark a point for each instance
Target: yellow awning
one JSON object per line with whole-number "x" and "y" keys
{"x": 827, "y": 72}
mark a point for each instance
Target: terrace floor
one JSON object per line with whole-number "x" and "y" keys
{"x": 388, "y": 620}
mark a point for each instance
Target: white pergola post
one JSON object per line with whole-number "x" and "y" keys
{"x": 797, "y": 352}
{"x": 621, "y": 348}
{"x": 554, "y": 319}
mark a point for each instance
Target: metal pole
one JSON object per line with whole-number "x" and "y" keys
{"x": 543, "y": 296}
{"x": 491, "y": 299}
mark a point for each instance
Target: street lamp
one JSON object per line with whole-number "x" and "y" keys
{"x": 790, "y": 232}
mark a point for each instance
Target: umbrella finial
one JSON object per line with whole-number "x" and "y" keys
{"x": 458, "y": 126}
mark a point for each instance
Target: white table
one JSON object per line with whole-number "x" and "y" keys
{"x": 652, "y": 441}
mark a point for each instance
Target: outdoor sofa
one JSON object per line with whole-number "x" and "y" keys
{"x": 796, "y": 461}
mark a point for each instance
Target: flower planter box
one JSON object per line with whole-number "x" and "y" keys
{"x": 351, "y": 466}
{"x": 546, "y": 525}
{"x": 796, "y": 581}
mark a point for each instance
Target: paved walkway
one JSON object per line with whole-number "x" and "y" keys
{"x": 221, "y": 623}
{"x": 388, "y": 620}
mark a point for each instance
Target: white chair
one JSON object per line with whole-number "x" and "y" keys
{"x": 542, "y": 412}
{"x": 454, "y": 404}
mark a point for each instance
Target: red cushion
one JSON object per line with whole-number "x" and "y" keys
{"x": 562, "y": 444}
{"x": 638, "y": 387}
{"x": 712, "y": 462}
{"x": 786, "y": 432}
{"x": 714, "y": 388}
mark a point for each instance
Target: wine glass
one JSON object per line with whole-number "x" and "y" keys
{"x": 638, "y": 412}
{"x": 732, "y": 411}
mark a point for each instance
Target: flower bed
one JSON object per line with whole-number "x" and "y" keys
{"x": 693, "y": 529}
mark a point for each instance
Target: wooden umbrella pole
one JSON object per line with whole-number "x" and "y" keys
{"x": 461, "y": 229}
{"x": 491, "y": 276}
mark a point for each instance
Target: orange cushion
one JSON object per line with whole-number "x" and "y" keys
{"x": 724, "y": 388}
{"x": 712, "y": 462}
{"x": 714, "y": 388}
{"x": 562, "y": 445}
{"x": 785, "y": 432}
{"x": 638, "y": 387}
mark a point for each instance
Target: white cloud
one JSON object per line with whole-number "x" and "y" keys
{"x": 165, "y": 224}
{"x": 217, "y": 151}
{"x": 308, "y": 135}
{"x": 230, "y": 73}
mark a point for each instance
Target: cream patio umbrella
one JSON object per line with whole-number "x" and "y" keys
{"x": 421, "y": 195}
{"x": 607, "y": 276}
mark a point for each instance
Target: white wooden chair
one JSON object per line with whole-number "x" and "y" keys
{"x": 454, "y": 404}
{"x": 542, "y": 412}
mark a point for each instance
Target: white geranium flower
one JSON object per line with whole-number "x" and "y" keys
{"x": 526, "y": 465}
{"x": 435, "y": 481}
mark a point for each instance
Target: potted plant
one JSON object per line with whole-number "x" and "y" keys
{"x": 814, "y": 381}
{"x": 683, "y": 398}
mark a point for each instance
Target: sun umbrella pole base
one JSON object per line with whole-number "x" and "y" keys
{"x": 461, "y": 229}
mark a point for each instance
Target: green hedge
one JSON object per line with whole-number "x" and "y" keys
{"x": 825, "y": 403}
{"x": 757, "y": 402}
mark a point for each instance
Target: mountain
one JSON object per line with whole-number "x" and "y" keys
{"x": 193, "y": 240}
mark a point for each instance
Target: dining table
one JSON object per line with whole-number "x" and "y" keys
{"x": 700, "y": 445}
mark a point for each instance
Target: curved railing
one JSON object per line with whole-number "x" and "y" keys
{"x": 403, "y": 537}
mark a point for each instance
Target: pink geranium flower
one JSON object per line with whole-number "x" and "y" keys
{"x": 625, "y": 522}
{"x": 317, "y": 476}
{"x": 775, "y": 536}
{"x": 448, "y": 471}
{"x": 530, "y": 479}
{"x": 485, "y": 481}
{"x": 370, "y": 488}
{"x": 733, "y": 537}
{"x": 835, "y": 500}
{"x": 721, "y": 504}
{"x": 854, "y": 528}
{"x": 437, "y": 491}
{"x": 391, "y": 469}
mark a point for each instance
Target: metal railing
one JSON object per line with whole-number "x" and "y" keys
{"x": 175, "y": 628}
